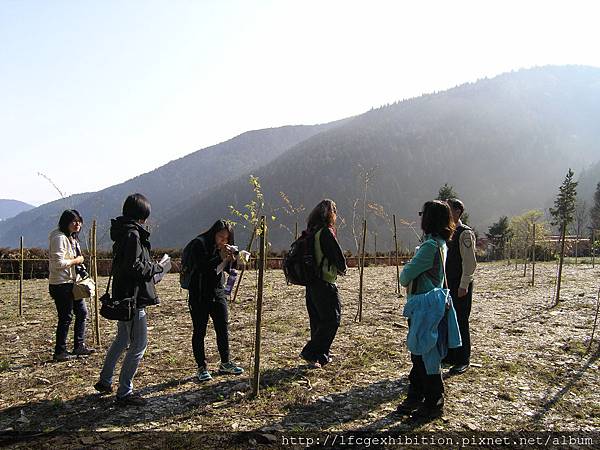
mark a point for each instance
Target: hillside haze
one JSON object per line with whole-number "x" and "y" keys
{"x": 10, "y": 208}
{"x": 175, "y": 185}
{"x": 505, "y": 144}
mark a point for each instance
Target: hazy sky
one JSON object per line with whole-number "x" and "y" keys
{"x": 94, "y": 92}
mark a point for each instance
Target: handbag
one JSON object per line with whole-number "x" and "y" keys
{"x": 117, "y": 309}
{"x": 84, "y": 288}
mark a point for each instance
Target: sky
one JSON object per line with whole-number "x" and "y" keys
{"x": 93, "y": 93}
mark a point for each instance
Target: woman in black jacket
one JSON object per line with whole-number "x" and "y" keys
{"x": 133, "y": 273}
{"x": 211, "y": 255}
{"x": 322, "y": 298}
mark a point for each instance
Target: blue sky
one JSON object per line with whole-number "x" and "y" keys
{"x": 96, "y": 92}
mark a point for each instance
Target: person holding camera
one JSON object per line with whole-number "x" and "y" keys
{"x": 212, "y": 254}
{"x": 133, "y": 277}
{"x": 65, "y": 265}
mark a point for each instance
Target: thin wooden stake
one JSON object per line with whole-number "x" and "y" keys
{"x": 533, "y": 258}
{"x": 259, "y": 300}
{"x": 22, "y": 257}
{"x": 296, "y": 232}
{"x": 593, "y": 249}
{"x": 397, "y": 264}
{"x": 94, "y": 264}
{"x": 362, "y": 270}
{"x": 561, "y": 260}
{"x": 375, "y": 243}
{"x": 526, "y": 245}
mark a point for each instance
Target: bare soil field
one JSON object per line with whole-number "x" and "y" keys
{"x": 531, "y": 369}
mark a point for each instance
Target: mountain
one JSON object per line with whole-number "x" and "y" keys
{"x": 10, "y": 208}
{"x": 175, "y": 185}
{"x": 505, "y": 144}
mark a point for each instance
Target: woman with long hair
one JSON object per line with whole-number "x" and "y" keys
{"x": 211, "y": 256}
{"x": 322, "y": 297}
{"x": 133, "y": 277}
{"x": 423, "y": 273}
{"x": 65, "y": 266}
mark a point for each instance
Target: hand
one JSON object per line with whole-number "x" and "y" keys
{"x": 462, "y": 292}
{"x": 226, "y": 253}
{"x": 78, "y": 260}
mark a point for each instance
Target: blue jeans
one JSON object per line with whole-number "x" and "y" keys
{"x": 62, "y": 294}
{"x": 132, "y": 334}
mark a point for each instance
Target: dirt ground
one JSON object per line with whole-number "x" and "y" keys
{"x": 531, "y": 369}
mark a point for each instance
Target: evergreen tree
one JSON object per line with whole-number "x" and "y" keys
{"x": 498, "y": 233}
{"x": 447, "y": 192}
{"x": 563, "y": 214}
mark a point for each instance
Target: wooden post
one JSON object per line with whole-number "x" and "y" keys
{"x": 526, "y": 245}
{"x": 362, "y": 270}
{"x": 241, "y": 275}
{"x": 396, "y": 250}
{"x": 593, "y": 249}
{"x": 375, "y": 243}
{"x": 22, "y": 257}
{"x": 560, "y": 262}
{"x": 509, "y": 251}
{"x": 533, "y": 258}
{"x": 260, "y": 287}
{"x": 94, "y": 267}
{"x": 296, "y": 232}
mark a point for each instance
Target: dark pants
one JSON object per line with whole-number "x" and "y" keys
{"x": 201, "y": 309}
{"x": 65, "y": 307}
{"x": 462, "y": 305}
{"x": 429, "y": 387}
{"x": 324, "y": 314}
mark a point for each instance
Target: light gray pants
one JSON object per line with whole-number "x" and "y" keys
{"x": 132, "y": 334}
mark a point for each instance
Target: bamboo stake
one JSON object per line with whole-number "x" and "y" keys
{"x": 396, "y": 249}
{"x": 593, "y": 249}
{"x": 375, "y": 243}
{"x": 533, "y": 258}
{"x": 261, "y": 275}
{"x": 22, "y": 256}
{"x": 362, "y": 270}
{"x": 94, "y": 264}
{"x": 526, "y": 244}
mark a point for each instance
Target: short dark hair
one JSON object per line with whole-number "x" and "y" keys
{"x": 321, "y": 215}
{"x": 136, "y": 207}
{"x": 65, "y": 220}
{"x": 437, "y": 219}
{"x": 219, "y": 225}
{"x": 456, "y": 204}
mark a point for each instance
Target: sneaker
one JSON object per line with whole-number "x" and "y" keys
{"x": 64, "y": 356}
{"x": 326, "y": 360}
{"x": 230, "y": 368}
{"x": 103, "y": 388}
{"x": 458, "y": 369}
{"x": 409, "y": 405}
{"x": 131, "y": 400}
{"x": 203, "y": 375}
{"x": 83, "y": 350}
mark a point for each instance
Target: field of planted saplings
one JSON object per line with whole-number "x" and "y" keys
{"x": 533, "y": 366}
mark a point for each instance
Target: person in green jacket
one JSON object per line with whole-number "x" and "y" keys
{"x": 424, "y": 272}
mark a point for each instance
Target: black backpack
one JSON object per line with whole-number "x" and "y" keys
{"x": 187, "y": 265}
{"x": 300, "y": 264}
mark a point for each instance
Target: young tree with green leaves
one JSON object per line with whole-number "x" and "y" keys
{"x": 563, "y": 214}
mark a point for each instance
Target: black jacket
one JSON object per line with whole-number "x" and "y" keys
{"x": 132, "y": 266}
{"x": 205, "y": 280}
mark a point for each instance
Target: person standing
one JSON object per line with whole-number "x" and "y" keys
{"x": 133, "y": 277}
{"x": 460, "y": 270}
{"x": 65, "y": 265}
{"x": 427, "y": 319}
{"x": 211, "y": 255}
{"x": 322, "y": 297}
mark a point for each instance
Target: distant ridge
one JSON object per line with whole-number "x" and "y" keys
{"x": 10, "y": 208}
{"x": 504, "y": 143}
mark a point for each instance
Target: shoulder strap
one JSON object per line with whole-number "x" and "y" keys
{"x": 443, "y": 265}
